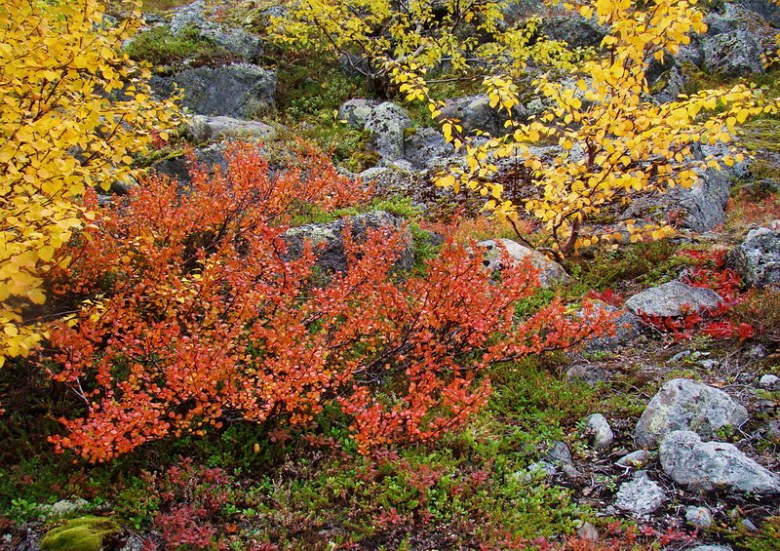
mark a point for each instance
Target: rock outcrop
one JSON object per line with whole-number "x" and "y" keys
{"x": 682, "y": 404}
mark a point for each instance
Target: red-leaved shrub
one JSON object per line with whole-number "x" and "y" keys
{"x": 198, "y": 313}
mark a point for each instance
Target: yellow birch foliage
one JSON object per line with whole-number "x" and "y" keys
{"x": 73, "y": 108}
{"x": 615, "y": 141}
{"x": 413, "y": 38}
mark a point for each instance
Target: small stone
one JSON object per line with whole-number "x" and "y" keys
{"x": 635, "y": 460}
{"x": 757, "y": 352}
{"x": 748, "y": 525}
{"x": 698, "y": 517}
{"x": 559, "y": 453}
{"x": 769, "y": 381}
{"x": 545, "y": 466}
{"x": 588, "y": 532}
{"x": 66, "y": 506}
{"x": 570, "y": 472}
{"x": 641, "y": 496}
{"x": 602, "y": 432}
{"x": 711, "y": 548}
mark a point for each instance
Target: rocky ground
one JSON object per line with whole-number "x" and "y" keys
{"x": 665, "y": 435}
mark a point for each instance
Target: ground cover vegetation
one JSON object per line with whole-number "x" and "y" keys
{"x": 178, "y": 372}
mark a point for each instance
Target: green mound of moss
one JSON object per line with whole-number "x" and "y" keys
{"x": 80, "y": 534}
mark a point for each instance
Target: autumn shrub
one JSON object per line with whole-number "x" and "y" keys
{"x": 189, "y": 501}
{"x": 614, "y": 142}
{"x": 446, "y": 38}
{"x": 74, "y": 111}
{"x": 197, "y": 313}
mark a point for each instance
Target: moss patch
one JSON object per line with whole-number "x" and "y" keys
{"x": 81, "y": 534}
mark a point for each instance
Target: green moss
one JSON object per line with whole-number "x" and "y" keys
{"x": 81, "y": 534}
{"x": 159, "y": 46}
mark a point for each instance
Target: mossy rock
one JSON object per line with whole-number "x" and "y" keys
{"x": 80, "y": 534}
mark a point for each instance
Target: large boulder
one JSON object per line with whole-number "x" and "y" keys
{"x": 202, "y": 129}
{"x": 475, "y": 113}
{"x": 673, "y": 299}
{"x": 733, "y": 54}
{"x": 767, "y": 9}
{"x": 682, "y": 404}
{"x": 574, "y": 29}
{"x": 640, "y": 496}
{"x": 211, "y": 157}
{"x": 757, "y": 258}
{"x": 702, "y": 207}
{"x": 355, "y": 112}
{"x": 628, "y": 328}
{"x": 239, "y": 90}
{"x": 387, "y": 123}
{"x": 550, "y": 272}
{"x": 427, "y": 149}
{"x": 233, "y": 40}
{"x": 714, "y": 466}
{"x": 329, "y": 241}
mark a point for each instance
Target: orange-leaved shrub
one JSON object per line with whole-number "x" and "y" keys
{"x": 196, "y": 312}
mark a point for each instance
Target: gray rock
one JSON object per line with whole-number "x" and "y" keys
{"x": 769, "y": 381}
{"x": 574, "y": 29}
{"x": 391, "y": 180}
{"x": 239, "y": 90}
{"x": 356, "y": 112}
{"x": 233, "y": 40}
{"x": 668, "y": 85}
{"x": 737, "y": 15}
{"x": 765, "y": 8}
{"x": 733, "y": 54}
{"x": 698, "y": 517}
{"x": 682, "y": 404}
{"x": 627, "y": 328}
{"x": 588, "y": 532}
{"x": 559, "y": 453}
{"x": 210, "y": 157}
{"x": 702, "y": 207}
{"x": 673, "y": 299}
{"x": 710, "y": 548}
{"x": 427, "y": 148}
{"x": 64, "y": 507}
{"x": 519, "y": 10}
{"x": 387, "y": 123}
{"x": 714, "y": 466}
{"x": 548, "y": 468}
{"x": 641, "y": 496}
{"x": 588, "y": 373}
{"x": 475, "y": 113}
{"x": 550, "y": 272}
{"x": 328, "y": 238}
{"x": 602, "y": 433}
{"x": 635, "y": 460}
{"x": 757, "y": 258}
{"x": 748, "y": 525}
{"x": 202, "y": 128}
{"x": 690, "y": 53}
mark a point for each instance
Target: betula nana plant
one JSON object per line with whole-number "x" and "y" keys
{"x": 73, "y": 110}
{"x": 197, "y": 314}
